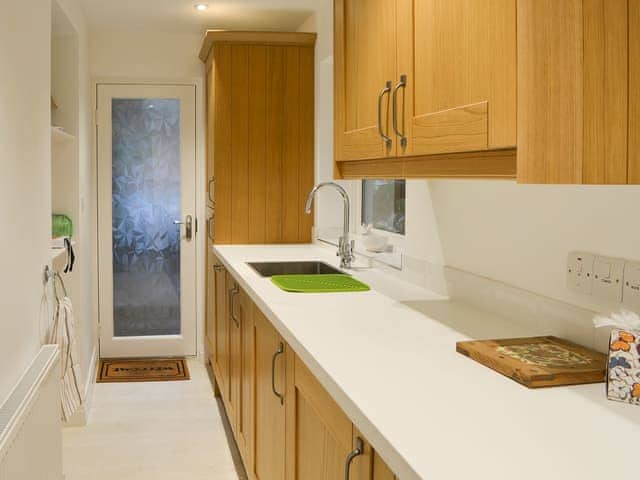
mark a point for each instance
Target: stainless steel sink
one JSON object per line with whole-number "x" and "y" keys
{"x": 268, "y": 269}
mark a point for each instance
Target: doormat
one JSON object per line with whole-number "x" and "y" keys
{"x": 142, "y": 370}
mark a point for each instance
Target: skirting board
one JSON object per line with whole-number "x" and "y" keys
{"x": 81, "y": 417}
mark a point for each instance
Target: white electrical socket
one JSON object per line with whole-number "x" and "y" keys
{"x": 608, "y": 276}
{"x": 631, "y": 288}
{"x": 580, "y": 272}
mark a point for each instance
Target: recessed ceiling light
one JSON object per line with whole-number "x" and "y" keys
{"x": 201, "y": 6}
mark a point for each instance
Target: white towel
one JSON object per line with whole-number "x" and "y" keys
{"x": 63, "y": 332}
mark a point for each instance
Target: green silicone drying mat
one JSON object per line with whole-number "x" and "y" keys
{"x": 324, "y": 283}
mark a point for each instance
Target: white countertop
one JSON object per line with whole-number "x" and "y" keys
{"x": 388, "y": 358}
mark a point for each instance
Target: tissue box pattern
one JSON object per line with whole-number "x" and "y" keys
{"x": 623, "y": 380}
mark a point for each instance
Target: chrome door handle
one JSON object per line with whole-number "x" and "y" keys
{"x": 279, "y": 352}
{"x": 232, "y": 293}
{"x": 188, "y": 226}
{"x": 384, "y": 136}
{"x": 401, "y": 84}
{"x": 359, "y": 450}
{"x": 218, "y": 267}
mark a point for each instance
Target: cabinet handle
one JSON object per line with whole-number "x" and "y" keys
{"x": 210, "y": 190}
{"x": 359, "y": 450}
{"x": 232, "y": 293}
{"x": 279, "y": 352}
{"x": 209, "y": 223}
{"x": 385, "y": 137}
{"x": 401, "y": 84}
{"x": 218, "y": 268}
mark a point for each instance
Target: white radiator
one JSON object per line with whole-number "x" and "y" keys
{"x": 30, "y": 425}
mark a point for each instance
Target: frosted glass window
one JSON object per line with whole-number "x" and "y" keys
{"x": 383, "y": 204}
{"x": 146, "y": 201}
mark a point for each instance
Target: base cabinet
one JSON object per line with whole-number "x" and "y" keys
{"x": 286, "y": 425}
{"x": 319, "y": 434}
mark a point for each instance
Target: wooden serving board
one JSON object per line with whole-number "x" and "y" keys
{"x": 538, "y": 361}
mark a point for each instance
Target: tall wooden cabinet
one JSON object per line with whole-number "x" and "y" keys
{"x": 260, "y": 168}
{"x": 425, "y": 88}
{"x": 260, "y": 135}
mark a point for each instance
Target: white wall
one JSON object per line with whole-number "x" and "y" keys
{"x": 25, "y": 190}
{"x": 521, "y": 234}
{"x": 160, "y": 57}
{"x": 328, "y": 205}
{"x": 516, "y": 234}
{"x": 145, "y": 55}
{"x": 25, "y": 184}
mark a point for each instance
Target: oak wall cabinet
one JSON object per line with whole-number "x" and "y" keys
{"x": 260, "y": 135}
{"x": 425, "y": 88}
{"x": 436, "y": 88}
{"x": 578, "y": 79}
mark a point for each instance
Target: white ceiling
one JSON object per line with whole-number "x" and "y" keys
{"x": 180, "y": 16}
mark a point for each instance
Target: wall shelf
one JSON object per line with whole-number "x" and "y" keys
{"x": 60, "y": 136}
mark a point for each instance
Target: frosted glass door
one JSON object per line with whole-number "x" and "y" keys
{"x": 145, "y": 149}
{"x": 145, "y": 204}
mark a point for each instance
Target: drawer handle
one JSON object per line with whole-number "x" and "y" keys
{"x": 232, "y": 293}
{"x": 278, "y": 352}
{"x": 359, "y": 450}
{"x": 401, "y": 84}
{"x": 218, "y": 268}
{"x": 384, "y": 136}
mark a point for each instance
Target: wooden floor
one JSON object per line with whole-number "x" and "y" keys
{"x": 152, "y": 431}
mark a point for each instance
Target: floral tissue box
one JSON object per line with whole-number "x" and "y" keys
{"x": 623, "y": 379}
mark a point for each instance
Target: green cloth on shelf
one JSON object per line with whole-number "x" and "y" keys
{"x": 325, "y": 283}
{"x": 61, "y": 226}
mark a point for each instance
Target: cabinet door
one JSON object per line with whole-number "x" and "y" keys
{"x": 210, "y": 304}
{"x": 220, "y": 129}
{"x": 210, "y": 131}
{"x": 244, "y": 429}
{"x": 235, "y": 362}
{"x": 634, "y": 92}
{"x": 459, "y": 58}
{"x": 221, "y": 353}
{"x": 365, "y": 60}
{"x": 573, "y": 64}
{"x": 270, "y": 374}
{"x": 319, "y": 434}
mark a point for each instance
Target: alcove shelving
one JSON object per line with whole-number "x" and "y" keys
{"x": 65, "y": 119}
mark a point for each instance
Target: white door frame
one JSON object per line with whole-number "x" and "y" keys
{"x": 184, "y": 344}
